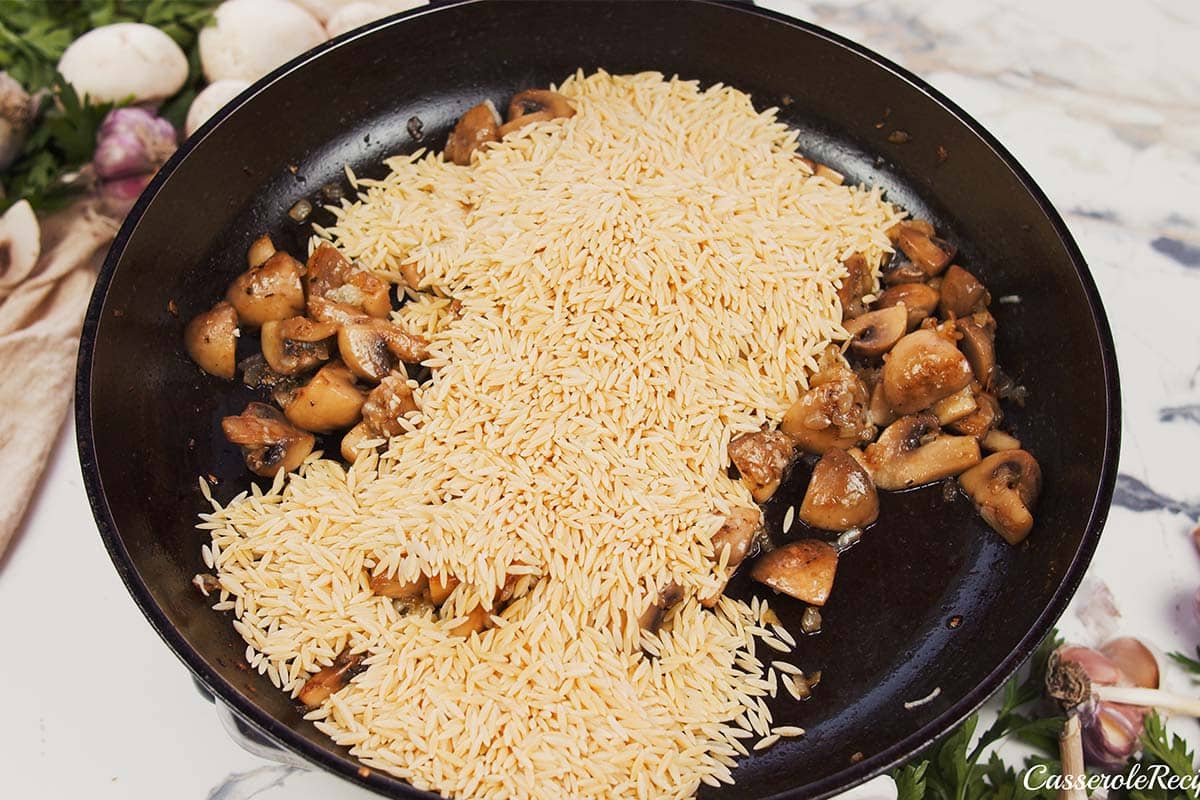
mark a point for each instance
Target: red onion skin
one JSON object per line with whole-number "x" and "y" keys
{"x": 132, "y": 141}
{"x": 118, "y": 196}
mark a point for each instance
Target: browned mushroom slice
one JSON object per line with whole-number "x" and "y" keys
{"x": 875, "y": 332}
{"x": 824, "y": 171}
{"x": 440, "y": 588}
{"x": 962, "y": 293}
{"x": 919, "y": 299}
{"x": 879, "y": 413}
{"x": 996, "y": 441}
{"x": 921, "y": 226}
{"x": 476, "y": 621}
{"x": 477, "y": 127}
{"x": 372, "y": 347}
{"x": 320, "y": 686}
{"x": 408, "y": 347}
{"x": 921, "y": 369}
{"x": 330, "y": 401}
{"x": 352, "y": 441}
{"x": 1004, "y": 487}
{"x": 978, "y": 343}
{"x": 929, "y": 253}
{"x": 737, "y": 536}
{"x": 900, "y": 274}
{"x": 211, "y": 340}
{"x": 363, "y": 345}
{"x": 840, "y": 494}
{"x": 271, "y": 291}
{"x": 802, "y": 569}
{"x": 260, "y": 250}
{"x": 761, "y": 457}
{"x": 269, "y": 444}
{"x": 663, "y": 601}
{"x": 323, "y": 310}
{"x": 296, "y": 345}
{"x": 832, "y": 413}
{"x": 535, "y": 105}
{"x": 986, "y": 415}
{"x": 955, "y": 407}
{"x": 854, "y": 286}
{"x": 412, "y": 274}
{"x": 389, "y": 586}
{"x": 913, "y": 451}
{"x": 331, "y": 277}
{"x": 386, "y": 404}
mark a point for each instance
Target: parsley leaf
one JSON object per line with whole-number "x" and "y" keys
{"x": 1192, "y": 665}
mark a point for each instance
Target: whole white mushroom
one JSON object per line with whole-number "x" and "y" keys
{"x": 353, "y": 15}
{"x": 128, "y": 59}
{"x": 210, "y": 101}
{"x": 326, "y": 10}
{"x": 249, "y": 38}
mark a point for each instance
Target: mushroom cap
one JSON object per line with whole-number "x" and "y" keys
{"x": 912, "y": 451}
{"x": 330, "y": 276}
{"x": 297, "y": 344}
{"x": 269, "y": 444}
{"x": 478, "y": 126}
{"x": 738, "y": 533}
{"x": 352, "y": 439}
{"x": 962, "y": 293}
{"x": 327, "y": 11}
{"x": 954, "y": 407}
{"x": 386, "y": 403}
{"x": 978, "y": 343}
{"x": 364, "y": 347}
{"x": 212, "y": 98}
{"x": 922, "y": 368}
{"x": 112, "y": 63}
{"x": 391, "y": 587}
{"x": 920, "y": 299}
{"x": 987, "y": 415}
{"x": 349, "y": 16}
{"x": 211, "y": 340}
{"x": 272, "y": 291}
{"x": 832, "y": 413}
{"x": 927, "y": 252}
{"x": 858, "y": 282}
{"x": 1004, "y": 486}
{"x": 761, "y": 457}
{"x": 249, "y": 38}
{"x": 330, "y": 401}
{"x": 803, "y": 569}
{"x": 259, "y": 251}
{"x": 840, "y": 494}
{"x": 876, "y": 332}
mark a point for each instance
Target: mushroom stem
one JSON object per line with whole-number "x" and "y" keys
{"x": 1149, "y": 698}
{"x": 1070, "y": 748}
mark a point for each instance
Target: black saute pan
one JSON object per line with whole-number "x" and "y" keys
{"x": 929, "y": 600}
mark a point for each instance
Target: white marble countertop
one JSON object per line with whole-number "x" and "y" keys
{"x": 1101, "y": 102}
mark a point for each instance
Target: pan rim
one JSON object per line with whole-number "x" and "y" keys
{"x": 348, "y": 767}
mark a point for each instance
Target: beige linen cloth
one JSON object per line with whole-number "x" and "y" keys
{"x": 44, "y": 291}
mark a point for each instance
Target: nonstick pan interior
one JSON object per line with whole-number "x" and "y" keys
{"x": 929, "y": 600}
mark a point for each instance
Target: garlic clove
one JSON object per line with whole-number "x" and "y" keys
{"x": 1134, "y": 659}
{"x": 1110, "y": 736}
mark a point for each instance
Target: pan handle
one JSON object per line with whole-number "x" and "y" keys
{"x": 249, "y": 739}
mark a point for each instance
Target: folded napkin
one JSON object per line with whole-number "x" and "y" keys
{"x": 46, "y": 279}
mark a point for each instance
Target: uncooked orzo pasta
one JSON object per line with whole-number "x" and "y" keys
{"x": 614, "y": 296}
